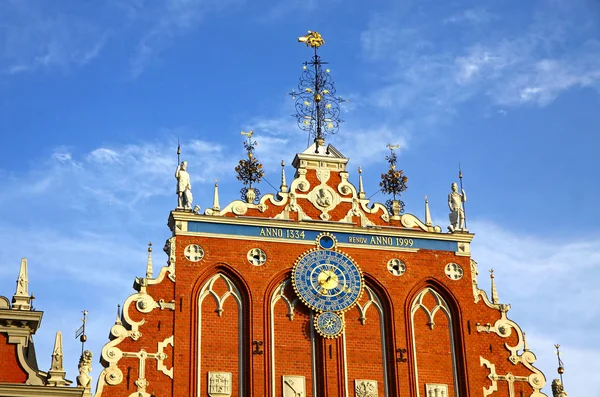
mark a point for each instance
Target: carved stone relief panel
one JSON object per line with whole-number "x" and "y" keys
{"x": 396, "y": 267}
{"x": 194, "y": 253}
{"x": 293, "y": 386}
{"x": 365, "y": 388}
{"x": 219, "y": 384}
{"x": 454, "y": 271}
{"x": 257, "y": 257}
{"x": 436, "y": 390}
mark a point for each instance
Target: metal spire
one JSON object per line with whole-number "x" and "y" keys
{"x": 561, "y": 367}
{"x": 317, "y": 106}
{"x": 80, "y": 333}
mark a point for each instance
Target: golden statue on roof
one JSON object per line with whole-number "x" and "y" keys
{"x": 312, "y": 39}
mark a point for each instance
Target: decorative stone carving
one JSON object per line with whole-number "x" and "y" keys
{"x": 279, "y": 294}
{"x": 436, "y": 390}
{"x": 184, "y": 187}
{"x": 293, "y": 386}
{"x": 396, "y": 267}
{"x": 457, "y": 212}
{"x": 257, "y": 257}
{"x": 363, "y": 308}
{"x": 194, "y": 253}
{"x": 325, "y": 199}
{"x": 534, "y": 381}
{"x": 56, "y": 374}
{"x": 85, "y": 367}
{"x": 558, "y": 389}
{"x": 21, "y": 299}
{"x": 440, "y": 305}
{"x": 219, "y": 384}
{"x": 454, "y": 271}
{"x": 365, "y": 388}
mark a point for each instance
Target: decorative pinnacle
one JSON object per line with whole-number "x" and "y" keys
{"x": 393, "y": 182}
{"x": 21, "y": 299}
{"x": 216, "y": 206}
{"x": 495, "y": 299}
{"x": 361, "y": 190}
{"x": 118, "y": 319}
{"x": 56, "y": 374}
{"x": 317, "y": 106}
{"x": 283, "y": 188}
{"x": 149, "y": 263}
{"x": 428, "y": 221}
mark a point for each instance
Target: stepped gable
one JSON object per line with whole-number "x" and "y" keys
{"x": 321, "y": 191}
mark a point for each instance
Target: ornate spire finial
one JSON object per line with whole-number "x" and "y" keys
{"x": 428, "y": 221}
{"x": 284, "y": 187}
{"x": 56, "y": 374}
{"x": 249, "y": 171}
{"x": 21, "y": 299}
{"x": 317, "y": 106}
{"x": 393, "y": 182}
{"x": 558, "y": 389}
{"x": 495, "y": 299}
{"x": 361, "y": 189}
{"x": 216, "y": 206}
{"x": 149, "y": 263}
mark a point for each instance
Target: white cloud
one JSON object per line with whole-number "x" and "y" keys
{"x": 474, "y": 16}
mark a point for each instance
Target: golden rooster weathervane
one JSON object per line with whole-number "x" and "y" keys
{"x": 312, "y": 39}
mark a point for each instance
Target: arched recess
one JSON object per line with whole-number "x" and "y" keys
{"x": 291, "y": 334}
{"x": 435, "y": 344}
{"x": 221, "y": 317}
{"x": 368, "y": 346}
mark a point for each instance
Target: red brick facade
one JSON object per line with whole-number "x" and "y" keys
{"x": 224, "y": 314}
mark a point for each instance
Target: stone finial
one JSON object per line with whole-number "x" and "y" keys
{"x": 85, "y": 367}
{"x": 216, "y": 207}
{"x": 118, "y": 319}
{"x": 56, "y": 374}
{"x": 495, "y": 299}
{"x": 361, "y": 190}
{"x": 149, "y": 263}
{"x": 21, "y": 299}
{"x": 428, "y": 222}
{"x": 284, "y": 187}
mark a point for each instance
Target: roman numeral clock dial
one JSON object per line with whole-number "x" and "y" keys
{"x": 328, "y": 282}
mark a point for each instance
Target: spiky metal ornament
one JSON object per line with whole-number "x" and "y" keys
{"x": 249, "y": 171}
{"x": 317, "y": 106}
{"x": 393, "y": 182}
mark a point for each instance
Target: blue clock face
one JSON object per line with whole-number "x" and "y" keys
{"x": 327, "y": 280}
{"x": 329, "y": 324}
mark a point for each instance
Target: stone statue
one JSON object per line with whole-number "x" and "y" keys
{"x": 557, "y": 389}
{"x": 85, "y": 367}
{"x": 457, "y": 212}
{"x": 184, "y": 187}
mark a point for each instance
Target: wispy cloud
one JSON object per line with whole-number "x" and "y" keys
{"x": 35, "y": 36}
{"x": 526, "y": 66}
{"x": 474, "y": 16}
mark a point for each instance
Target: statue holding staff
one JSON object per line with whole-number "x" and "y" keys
{"x": 184, "y": 187}
{"x": 457, "y": 211}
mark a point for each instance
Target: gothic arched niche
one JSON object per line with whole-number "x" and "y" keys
{"x": 291, "y": 335}
{"x": 366, "y": 348}
{"x": 220, "y": 338}
{"x": 434, "y": 352}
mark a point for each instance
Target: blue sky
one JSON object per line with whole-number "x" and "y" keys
{"x": 94, "y": 95}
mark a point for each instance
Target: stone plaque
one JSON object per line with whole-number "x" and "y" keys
{"x": 219, "y": 384}
{"x": 294, "y": 386}
{"x": 365, "y": 388}
{"x": 436, "y": 390}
